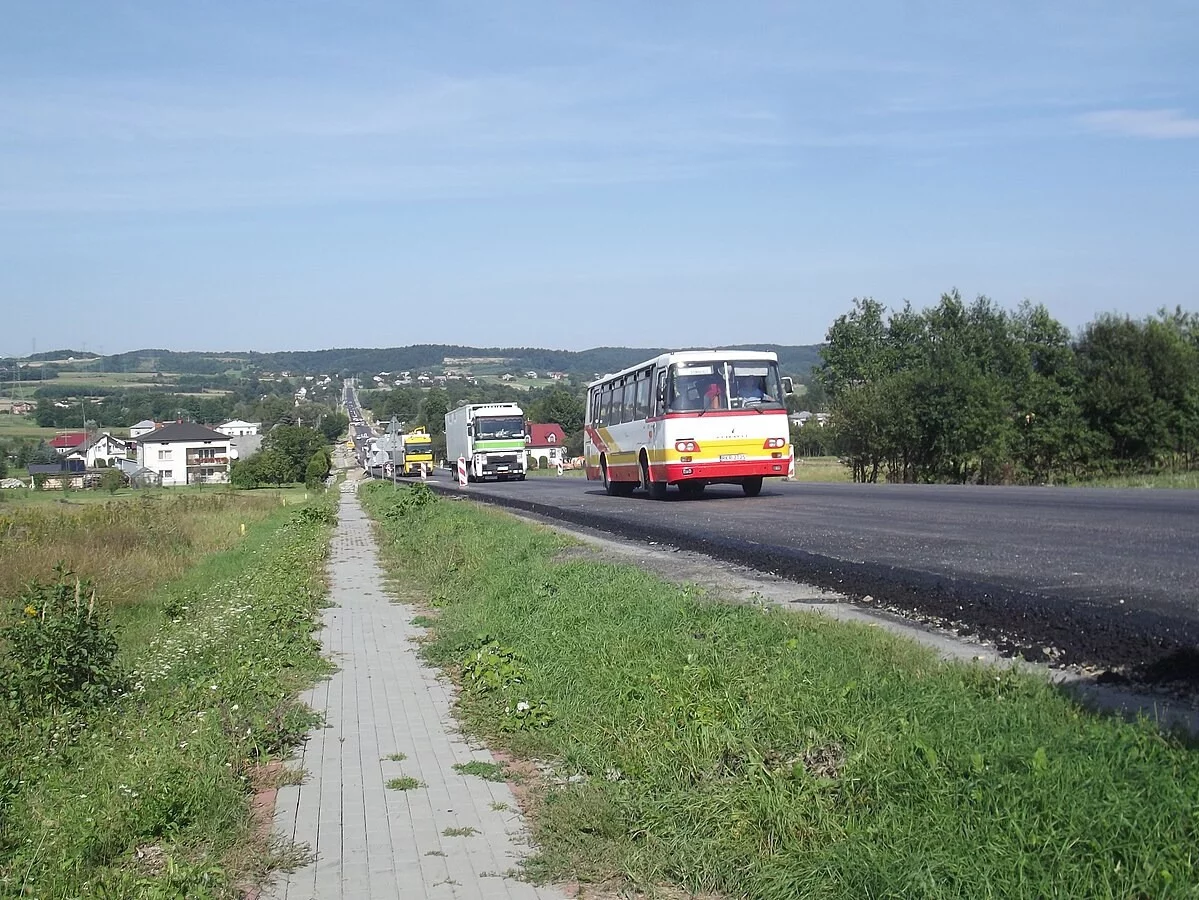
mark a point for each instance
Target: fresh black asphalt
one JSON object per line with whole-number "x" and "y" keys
{"x": 1063, "y": 575}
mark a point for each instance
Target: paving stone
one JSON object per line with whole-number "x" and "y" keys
{"x": 369, "y": 842}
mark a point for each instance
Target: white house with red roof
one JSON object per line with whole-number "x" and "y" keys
{"x": 62, "y": 444}
{"x": 546, "y": 443}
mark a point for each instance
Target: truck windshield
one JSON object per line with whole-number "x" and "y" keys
{"x": 725, "y": 385}
{"x": 497, "y": 428}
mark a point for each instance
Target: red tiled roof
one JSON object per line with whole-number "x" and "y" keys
{"x": 546, "y": 436}
{"x": 73, "y": 439}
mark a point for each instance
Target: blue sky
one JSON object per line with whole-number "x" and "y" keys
{"x": 293, "y": 175}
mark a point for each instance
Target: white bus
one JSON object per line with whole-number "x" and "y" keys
{"x": 691, "y": 419}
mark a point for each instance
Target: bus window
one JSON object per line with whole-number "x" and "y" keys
{"x": 643, "y": 396}
{"x": 698, "y": 387}
{"x": 630, "y": 401}
{"x": 659, "y": 404}
{"x": 754, "y": 384}
{"x": 606, "y": 404}
{"x": 614, "y": 411}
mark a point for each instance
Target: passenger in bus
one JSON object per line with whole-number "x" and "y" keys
{"x": 714, "y": 396}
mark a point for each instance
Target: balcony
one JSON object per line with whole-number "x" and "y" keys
{"x": 197, "y": 461}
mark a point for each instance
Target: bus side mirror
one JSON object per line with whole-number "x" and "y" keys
{"x": 788, "y": 386}
{"x": 661, "y": 395}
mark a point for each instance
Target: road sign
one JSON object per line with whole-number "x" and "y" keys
{"x": 462, "y": 470}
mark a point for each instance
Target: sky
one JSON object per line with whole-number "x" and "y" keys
{"x": 300, "y": 175}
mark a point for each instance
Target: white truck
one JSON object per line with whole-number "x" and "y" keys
{"x": 491, "y": 438}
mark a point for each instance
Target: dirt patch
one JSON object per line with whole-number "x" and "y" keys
{"x": 264, "y": 783}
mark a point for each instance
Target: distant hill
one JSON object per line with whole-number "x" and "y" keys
{"x": 793, "y": 360}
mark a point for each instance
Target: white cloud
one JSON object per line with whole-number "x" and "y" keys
{"x": 1157, "y": 124}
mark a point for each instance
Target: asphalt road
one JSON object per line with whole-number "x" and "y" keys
{"x": 1069, "y": 575}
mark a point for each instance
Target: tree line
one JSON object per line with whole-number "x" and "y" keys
{"x": 969, "y": 392}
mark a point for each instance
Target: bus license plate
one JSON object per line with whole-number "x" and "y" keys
{"x": 731, "y": 457}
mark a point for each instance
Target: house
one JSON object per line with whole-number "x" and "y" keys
{"x": 185, "y": 453}
{"x": 238, "y": 428}
{"x": 558, "y": 376}
{"x": 507, "y": 376}
{"x": 530, "y": 374}
{"x": 62, "y": 444}
{"x": 100, "y": 450}
{"x": 547, "y": 443}
{"x": 145, "y": 426}
{"x": 800, "y": 419}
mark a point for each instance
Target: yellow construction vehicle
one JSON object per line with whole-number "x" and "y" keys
{"x": 417, "y": 450}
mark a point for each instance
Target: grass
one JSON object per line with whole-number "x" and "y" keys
{"x": 396, "y": 757}
{"x": 465, "y": 831}
{"x": 405, "y": 783}
{"x": 129, "y": 545}
{"x": 292, "y": 494}
{"x": 821, "y": 469}
{"x": 1187, "y": 480}
{"x": 775, "y": 754}
{"x": 485, "y": 770}
{"x": 552, "y": 472}
{"x": 147, "y": 794}
{"x": 14, "y": 427}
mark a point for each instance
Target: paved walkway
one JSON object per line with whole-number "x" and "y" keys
{"x": 371, "y": 841}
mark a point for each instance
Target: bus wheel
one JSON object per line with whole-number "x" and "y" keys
{"x": 691, "y": 489}
{"x": 752, "y": 486}
{"x": 655, "y": 489}
{"x": 610, "y": 487}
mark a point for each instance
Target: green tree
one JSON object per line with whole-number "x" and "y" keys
{"x": 558, "y": 405}
{"x": 318, "y": 468}
{"x": 333, "y": 425}
{"x": 432, "y": 412}
{"x": 294, "y": 443}
{"x": 111, "y": 480}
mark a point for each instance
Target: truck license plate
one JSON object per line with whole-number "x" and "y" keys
{"x": 731, "y": 457}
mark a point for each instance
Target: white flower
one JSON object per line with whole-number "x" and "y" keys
{"x": 522, "y": 706}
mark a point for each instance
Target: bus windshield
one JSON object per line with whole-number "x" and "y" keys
{"x": 725, "y": 385}
{"x": 496, "y": 428}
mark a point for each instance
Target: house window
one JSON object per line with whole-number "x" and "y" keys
{"x": 164, "y": 454}
{"x": 167, "y": 475}
{"x": 551, "y": 438}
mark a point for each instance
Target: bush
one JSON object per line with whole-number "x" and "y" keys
{"x": 111, "y": 480}
{"x": 61, "y": 650}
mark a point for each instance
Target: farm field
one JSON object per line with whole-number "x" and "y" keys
{"x": 23, "y": 427}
